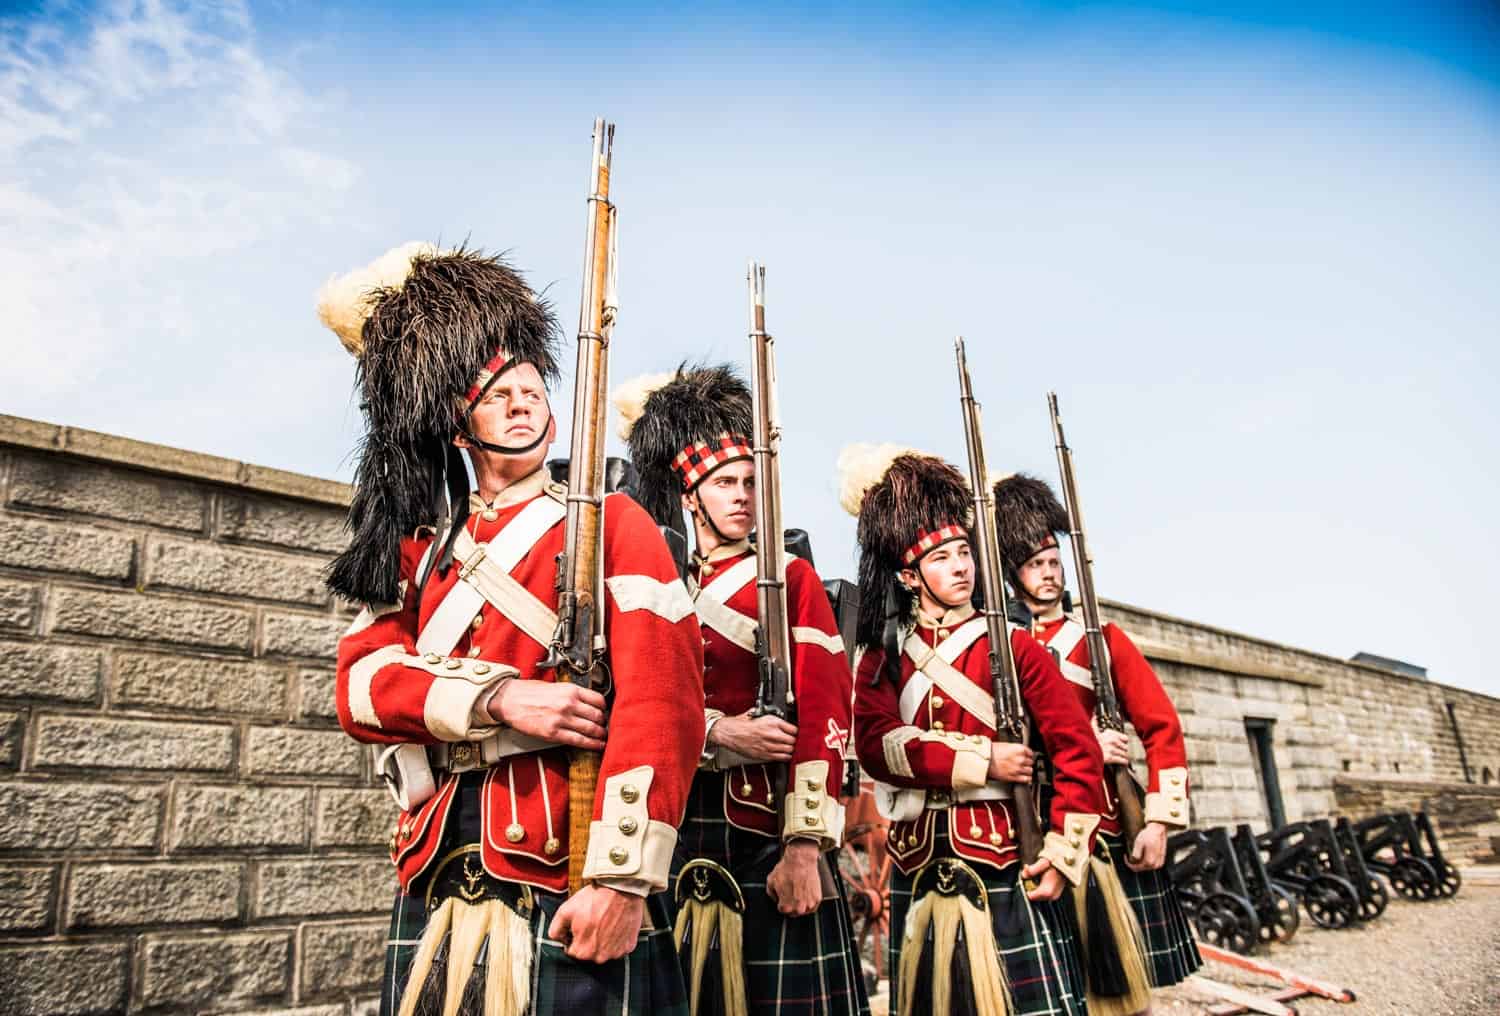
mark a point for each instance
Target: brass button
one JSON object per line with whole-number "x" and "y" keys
{"x": 745, "y": 789}
{"x": 937, "y": 702}
{"x": 810, "y": 802}
{"x": 453, "y": 664}
{"x": 814, "y": 785}
{"x": 937, "y": 724}
{"x": 1076, "y": 827}
{"x": 1070, "y": 858}
{"x": 629, "y": 793}
{"x": 911, "y": 841}
{"x": 770, "y": 798}
{"x": 481, "y": 668}
{"x": 810, "y": 820}
{"x": 996, "y": 838}
{"x": 393, "y": 843}
{"x": 552, "y": 846}
{"x": 1076, "y": 840}
{"x": 474, "y": 653}
{"x": 1175, "y": 813}
{"x": 628, "y": 825}
{"x": 515, "y": 833}
{"x": 433, "y": 658}
{"x": 618, "y": 855}
{"x": 974, "y": 831}
{"x": 490, "y": 515}
{"x": 478, "y": 620}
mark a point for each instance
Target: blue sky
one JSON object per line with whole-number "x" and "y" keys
{"x": 1253, "y": 248}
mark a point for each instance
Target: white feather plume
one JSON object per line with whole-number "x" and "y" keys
{"x": 344, "y": 301}
{"x": 862, "y": 466}
{"x": 630, "y": 399}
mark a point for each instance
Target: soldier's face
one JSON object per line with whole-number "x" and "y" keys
{"x": 728, "y": 495}
{"x": 1042, "y": 576}
{"x": 512, "y": 414}
{"x": 947, "y": 574}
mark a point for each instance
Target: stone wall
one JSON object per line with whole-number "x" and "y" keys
{"x": 185, "y": 828}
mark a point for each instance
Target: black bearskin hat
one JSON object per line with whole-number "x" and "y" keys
{"x": 1028, "y": 517}
{"x": 680, "y": 427}
{"x": 901, "y": 497}
{"x": 429, "y": 328}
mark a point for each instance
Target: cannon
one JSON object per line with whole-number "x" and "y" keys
{"x": 1275, "y": 906}
{"x": 1207, "y": 879}
{"x": 1304, "y": 857}
{"x": 1405, "y": 850}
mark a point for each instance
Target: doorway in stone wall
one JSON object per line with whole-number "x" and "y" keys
{"x": 1261, "y": 732}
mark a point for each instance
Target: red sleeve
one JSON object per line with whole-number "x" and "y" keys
{"x": 656, "y": 661}
{"x": 903, "y": 754}
{"x": 385, "y": 693}
{"x": 820, "y": 674}
{"x": 1146, "y": 706}
{"x": 1078, "y": 763}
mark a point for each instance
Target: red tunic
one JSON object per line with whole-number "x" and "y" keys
{"x": 820, "y": 684}
{"x": 1144, "y": 704}
{"x": 943, "y": 746}
{"x": 386, "y": 693}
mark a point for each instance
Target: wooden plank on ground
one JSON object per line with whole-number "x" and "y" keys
{"x": 1234, "y": 1009}
{"x": 1309, "y": 984}
{"x": 1239, "y": 996}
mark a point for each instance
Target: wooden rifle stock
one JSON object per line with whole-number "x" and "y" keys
{"x": 577, "y": 648}
{"x": 773, "y": 638}
{"x": 1128, "y": 792}
{"x": 1010, "y": 717}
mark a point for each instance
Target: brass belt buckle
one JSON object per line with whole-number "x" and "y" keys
{"x": 471, "y": 562}
{"x": 462, "y": 753}
{"x": 939, "y": 799}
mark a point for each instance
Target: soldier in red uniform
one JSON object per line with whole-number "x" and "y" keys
{"x": 1029, "y": 519}
{"x": 925, "y": 729}
{"x": 762, "y": 924}
{"x": 442, "y": 667}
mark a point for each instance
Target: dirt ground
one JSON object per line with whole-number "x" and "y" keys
{"x": 1436, "y": 958}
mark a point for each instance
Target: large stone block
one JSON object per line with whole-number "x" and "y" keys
{"x": 92, "y": 742}
{"x": 291, "y": 752}
{"x": 238, "y": 817}
{"x": 200, "y": 684}
{"x": 64, "y": 980}
{"x": 341, "y": 957}
{"x": 53, "y": 546}
{"x": 317, "y": 702}
{"x": 282, "y": 523}
{"x": 189, "y": 971}
{"x": 203, "y": 567}
{"x": 36, "y": 671}
{"x": 73, "y": 485}
{"x": 362, "y": 885}
{"x": 119, "y": 895}
{"x": 12, "y": 729}
{"x": 139, "y": 617}
{"x": 66, "y": 814}
{"x": 354, "y": 818}
{"x": 315, "y": 636}
{"x": 20, "y": 604}
{"x": 26, "y": 899}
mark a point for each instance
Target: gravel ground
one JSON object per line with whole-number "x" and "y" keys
{"x": 1438, "y": 958}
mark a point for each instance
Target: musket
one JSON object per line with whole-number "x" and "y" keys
{"x": 577, "y": 649}
{"x": 773, "y": 634}
{"x": 1107, "y": 709}
{"x": 1010, "y": 719}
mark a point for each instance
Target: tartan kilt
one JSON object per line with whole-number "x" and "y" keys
{"x": 794, "y": 966}
{"x": 1171, "y": 952}
{"x": 646, "y": 981}
{"x": 1037, "y": 942}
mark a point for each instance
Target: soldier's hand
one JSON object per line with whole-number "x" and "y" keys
{"x": 765, "y": 738}
{"x": 561, "y": 712}
{"x": 1050, "y": 884}
{"x": 1116, "y": 747}
{"x": 1013, "y": 763}
{"x": 598, "y": 923}
{"x": 1150, "y": 849}
{"x": 794, "y": 882}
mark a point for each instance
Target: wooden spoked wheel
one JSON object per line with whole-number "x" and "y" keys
{"x": 866, "y": 870}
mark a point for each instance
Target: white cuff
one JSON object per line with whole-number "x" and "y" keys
{"x": 809, "y": 811}
{"x": 626, "y": 842}
{"x": 1069, "y": 853}
{"x": 1169, "y": 805}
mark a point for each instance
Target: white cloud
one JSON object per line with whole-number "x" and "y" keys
{"x": 135, "y": 138}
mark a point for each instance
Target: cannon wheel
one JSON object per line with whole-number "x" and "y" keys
{"x": 1449, "y": 880}
{"x": 1373, "y": 905}
{"x": 1279, "y": 916}
{"x": 1228, "y": 922}
{"x": 1331, "y": 902}
{"x": 1412, "y": 878}
{"x": 866, "y": 869}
